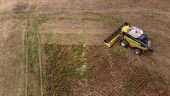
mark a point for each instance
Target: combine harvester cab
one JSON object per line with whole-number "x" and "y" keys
{"x": 130, "y": 36}
{"x": 112, "y": 38}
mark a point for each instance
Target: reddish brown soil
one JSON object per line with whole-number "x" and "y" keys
{"x": 118, "y": 74}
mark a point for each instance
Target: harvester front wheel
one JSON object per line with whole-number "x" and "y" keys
{"x": 137, "y": 51}
{"x": 124, "y": 43}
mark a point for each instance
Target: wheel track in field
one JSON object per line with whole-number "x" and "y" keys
{"x": 26, "y": 62}
{"x": 40, "y": 63}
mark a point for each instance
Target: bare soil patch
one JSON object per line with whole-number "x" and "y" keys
{"x": 20, "y": 6}
{"x": 11, "y": 57}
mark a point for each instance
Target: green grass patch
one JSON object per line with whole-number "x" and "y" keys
{"x": 120, "y": 53}
{"x": 40, "y": 19}
{"x": 78, "y": 48}
{"x": 21, "y": 15}
{"x": 31, "y": 41}
{"x": 93, "y": 14}
{"x": 62, "y": 63}
{"x": 6, "y": 16}
{"x": 64, "y": 18}
{"x": 93, "y": 19}
{"x": 130, "y": 89}
{"x": 31, "y": 52}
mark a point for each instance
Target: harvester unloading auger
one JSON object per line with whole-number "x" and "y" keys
{"x": 129, "y": 36}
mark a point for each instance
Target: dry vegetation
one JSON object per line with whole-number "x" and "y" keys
{"x": 41, "y": 53}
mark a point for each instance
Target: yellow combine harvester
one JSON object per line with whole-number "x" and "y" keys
{"x": 130, "y": 36}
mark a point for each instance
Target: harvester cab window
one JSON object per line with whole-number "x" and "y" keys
{"x": 135, "y": 32}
